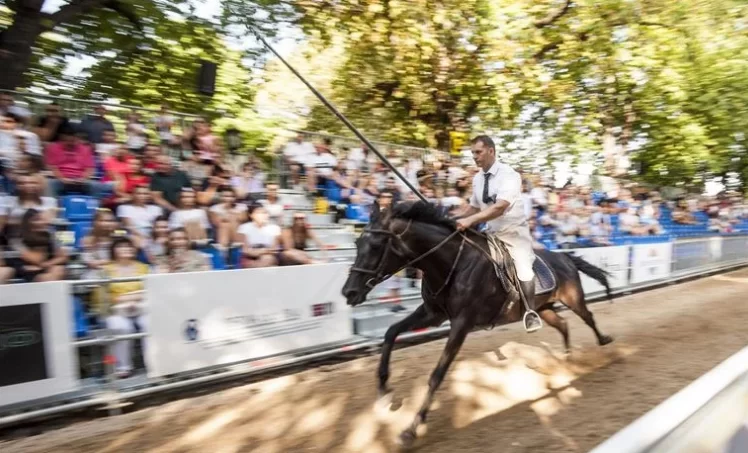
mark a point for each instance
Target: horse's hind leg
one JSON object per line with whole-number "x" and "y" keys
{"x": 457, "y": 334}
{"x": 554, "y": 320}
{"x": 572, "y": 295}
{"x": 419, "y": 319}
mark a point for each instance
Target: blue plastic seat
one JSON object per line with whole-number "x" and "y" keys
{"x": 80, "y": 318}
{"x": 79, "y": 207}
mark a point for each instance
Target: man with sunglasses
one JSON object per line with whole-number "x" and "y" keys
{"x": 497, "y": 201}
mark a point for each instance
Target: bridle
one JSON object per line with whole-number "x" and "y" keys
{"x": 378, "y": 273}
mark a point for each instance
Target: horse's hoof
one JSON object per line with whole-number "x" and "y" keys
{"x": 605, "y": 339}
{"x": 383, "y": 403}
{"x": 406, "y": 439}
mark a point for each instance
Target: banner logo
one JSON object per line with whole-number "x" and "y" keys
{"x": 191, "y": 331}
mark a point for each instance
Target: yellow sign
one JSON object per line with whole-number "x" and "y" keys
{"x": 456, "y": 142}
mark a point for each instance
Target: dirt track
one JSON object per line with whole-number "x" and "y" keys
{"x": 531, "y": 400}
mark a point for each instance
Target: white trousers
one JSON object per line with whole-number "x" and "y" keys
{"x": 122, "y": 350}
{"x": 519, "y": 243}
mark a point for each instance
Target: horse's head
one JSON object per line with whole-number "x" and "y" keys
{"x": 379, "y": 253}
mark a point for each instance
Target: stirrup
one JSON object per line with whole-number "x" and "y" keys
{"x": 532, "y": 321}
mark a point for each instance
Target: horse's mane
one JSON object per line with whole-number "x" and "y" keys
{"x": 420, "y": 211}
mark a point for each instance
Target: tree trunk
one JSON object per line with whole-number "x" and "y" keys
{"x": 16, "y": 44}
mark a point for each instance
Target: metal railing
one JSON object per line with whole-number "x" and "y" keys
{"x": 77, "y": 109}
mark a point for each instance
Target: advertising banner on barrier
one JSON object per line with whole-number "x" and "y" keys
{"x": 37, "y": 357}
{"x": 614, "y": 260}
{"x": 650, "y": 262}
{"x": 205, "y": 319}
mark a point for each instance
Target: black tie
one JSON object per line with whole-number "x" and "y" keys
{"x": 486, "y": 198}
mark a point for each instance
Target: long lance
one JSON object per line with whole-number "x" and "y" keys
{"x": 340, "y": 116}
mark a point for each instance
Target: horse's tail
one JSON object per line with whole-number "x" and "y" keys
{"x": 593, "y": 272}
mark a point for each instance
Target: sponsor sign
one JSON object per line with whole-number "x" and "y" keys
{"x": 206, "y": 319}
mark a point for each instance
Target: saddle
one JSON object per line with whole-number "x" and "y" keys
{"x": 545, "y": 279}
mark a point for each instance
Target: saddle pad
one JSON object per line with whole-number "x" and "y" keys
{"x": 545, "y": 281}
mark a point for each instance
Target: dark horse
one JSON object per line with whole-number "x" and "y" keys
{"x": 460, "y": 284}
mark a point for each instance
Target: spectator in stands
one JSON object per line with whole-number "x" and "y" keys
{"x": 40, "y": 259}
{"x": 136, "y": 133}
{"x": 227, "y": 216}
{"x": 599, "y": 232}
{"x": 209, "y": 190}
{"x": 150, "y": 159}
{"x": 124, "y": 315}
{"x": 72, "y": 164}
{"x": 272, "y": 204}
{"x": 6, "y": 272}
{"x": 108, "y": 146}
{"x": 193, "y": 219}
{"x": 13, "y": 208}
{"x": 261, "y": 239}
{"x": 167, "y": 184}
{"x": 94, "y": 126}
{"x": 8, "y": 106}
{"x": 206, "y": 146}
{"x": 138, "y": 216}
{"x": 155, "y": 248}
{"x": 247, "y": 183}
{"x": 320, "y": 166}
{"x": 97, "y": 243}
{"x": 49, "y": 126}
{"x": 295, "y": 240}
{"x": 296, "y": 155}
{"x": 136, "y": 177}
{"x": 163, "y": 124}
{"x": 682, "y": 215}
{"x": 629, "y": 223}
{"x": 361, "y": 159}
{"x": 179, "y": 257}
{"x": 116, "y": 169}
{"x": 16, "y": 141}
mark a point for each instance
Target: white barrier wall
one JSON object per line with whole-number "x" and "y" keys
{"x": 37, "y": 357}
{"x": 204, "y": 319}
{"x": 614, "y": 260}
{"x": 651, "y": 262}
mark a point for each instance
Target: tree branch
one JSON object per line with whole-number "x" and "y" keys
{"x": 553, "y": 17}
{"x": 76, "y": 8}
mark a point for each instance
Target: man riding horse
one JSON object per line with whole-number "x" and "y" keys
{"x": 496, "y": 200}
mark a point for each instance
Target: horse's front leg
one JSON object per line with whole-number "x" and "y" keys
{"x": 419, "y": 319}
{"x": 460, "y": 328}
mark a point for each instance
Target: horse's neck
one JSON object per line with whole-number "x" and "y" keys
{"x": 425, "y": 239}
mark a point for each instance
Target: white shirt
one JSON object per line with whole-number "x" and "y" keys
{"x": 323, "y": 163}
{"x": 179, "y": 218}
{"x": 141, "y": 217}
{"x": 221, "y": 210}
{"x": 299, "y": 152}
{"x": 9, "y": 207}
{"x": 106, "y": 149}
{"x": 10, "y": 148}
{"x": 504, "y": 184}
{"x": 256, "y": 236}
{"x": 275, "y": 211}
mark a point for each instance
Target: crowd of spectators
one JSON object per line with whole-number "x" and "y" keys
{"x": 166, "y": 191}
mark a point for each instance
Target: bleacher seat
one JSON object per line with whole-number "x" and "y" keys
{"x": 79, "y": 207}
{"x": 357, "y": 212}
{"x": 80, "y": 229}
{"x": 235, "y": 257}
{"x": 333, "y": 192}
{"x": 217, "y": 260}
{"x": 81, "y": 320}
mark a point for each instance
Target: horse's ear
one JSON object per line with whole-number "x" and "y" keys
{"x": 375, "y": 212}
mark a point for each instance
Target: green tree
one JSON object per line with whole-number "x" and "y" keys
{"x": 34, "y": 43}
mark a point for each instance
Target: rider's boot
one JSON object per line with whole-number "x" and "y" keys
{"x": 531, "y": 319}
